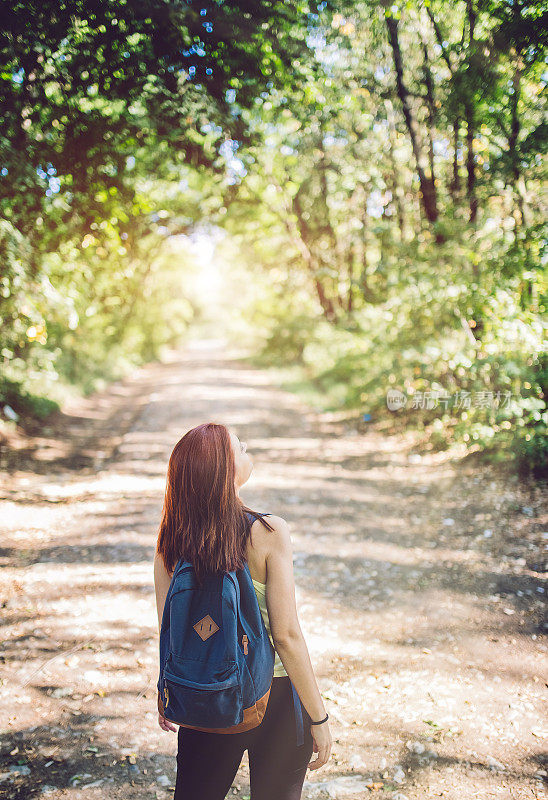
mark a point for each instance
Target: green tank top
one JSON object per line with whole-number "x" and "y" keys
{"x": 260, "y": 591}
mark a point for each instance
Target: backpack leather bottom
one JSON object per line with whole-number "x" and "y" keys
{"x": 253, "y": 716}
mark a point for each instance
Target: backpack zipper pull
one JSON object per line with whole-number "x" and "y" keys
{"x": 244, "y": 642}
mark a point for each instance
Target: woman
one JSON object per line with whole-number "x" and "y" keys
{"x": 204, "y": 522}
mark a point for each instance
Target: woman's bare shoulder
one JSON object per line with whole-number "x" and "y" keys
{"x": 279, "y": 524}
{"x": 263, "y": 542}
{"x": 279, "y": 537}
{"x": 160, "y": 567}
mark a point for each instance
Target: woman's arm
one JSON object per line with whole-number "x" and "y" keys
{"x": 162, "y": 579}
{"x": 284, "y": 622}
{"x": 287, "y": 635}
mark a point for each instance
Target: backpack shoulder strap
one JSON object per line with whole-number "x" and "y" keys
{"x": 253, "y": 515}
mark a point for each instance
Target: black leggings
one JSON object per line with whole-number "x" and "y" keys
{"x": 207, "y": 763}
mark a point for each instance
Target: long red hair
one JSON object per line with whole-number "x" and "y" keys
{"x": 203, "y": 519}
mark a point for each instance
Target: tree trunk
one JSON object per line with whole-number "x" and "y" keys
{"x": 350, "y": 259}
{"x": 470, "y": 164}
{"x": 454, "y": 186}
{"x": 311, "y": 262}
{"x": 519, "y": 182}
{"x": 300, "y": 237}
{"x": 428, "y": 189}
{"x": 431, "y": 105}
{"x": 397, "y": 189}
{"x": 365, "y": 289}
{"x": 470, "y": 125}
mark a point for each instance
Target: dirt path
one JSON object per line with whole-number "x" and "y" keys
{"x": 419, "y": 587}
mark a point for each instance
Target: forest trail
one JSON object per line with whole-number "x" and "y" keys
{"x": 418, "y": 583}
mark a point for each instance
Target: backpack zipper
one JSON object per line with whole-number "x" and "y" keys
{"x": 244, "y": 642}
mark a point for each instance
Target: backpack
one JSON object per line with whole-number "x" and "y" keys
{"x": 216, "y": 657}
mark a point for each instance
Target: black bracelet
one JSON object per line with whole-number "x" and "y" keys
{"x": 320, "y": 722}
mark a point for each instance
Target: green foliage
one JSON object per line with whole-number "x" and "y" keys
{"x": 114, "y": 116}
{"x": 488, "y": 393}
{"x": 23, "y": 402}
{"x": 530, "y": 443}
{"x": 288, "y": 339}
{"x": 377, "y": 168}
{"x": 455, "y": 320}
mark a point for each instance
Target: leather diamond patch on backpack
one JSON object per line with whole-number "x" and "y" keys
{"x": 206, "y": 627}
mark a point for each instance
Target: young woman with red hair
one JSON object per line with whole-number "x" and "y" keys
{"x": 204, "y": 522}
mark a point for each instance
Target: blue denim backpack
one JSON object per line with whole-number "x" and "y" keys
{"x": 216, "y": 657}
